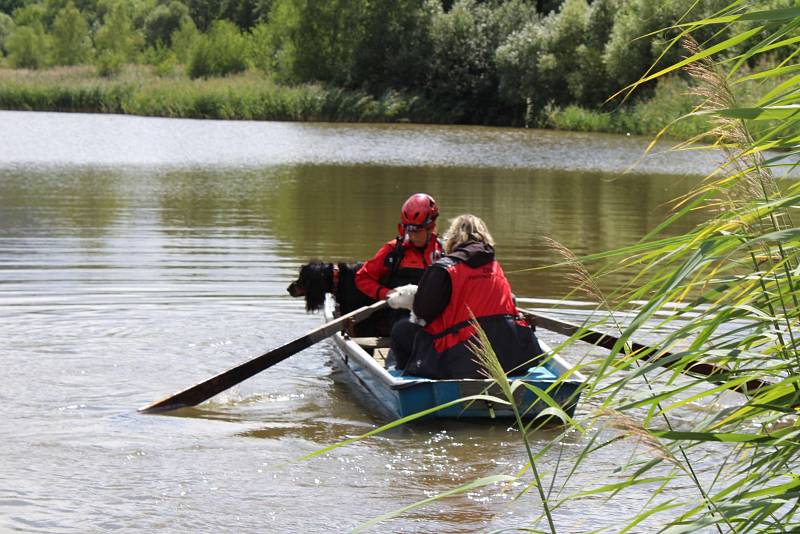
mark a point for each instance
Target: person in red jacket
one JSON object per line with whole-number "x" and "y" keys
{"x": 402, "y": 260}
{"x": 434, "y": 342}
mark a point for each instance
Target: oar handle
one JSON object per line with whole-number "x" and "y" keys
{"x": 227, "y": 379}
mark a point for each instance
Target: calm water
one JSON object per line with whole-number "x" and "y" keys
{"x": 139, "y": 256}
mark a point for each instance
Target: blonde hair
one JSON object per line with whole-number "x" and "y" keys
{"x": 466, "y": 228}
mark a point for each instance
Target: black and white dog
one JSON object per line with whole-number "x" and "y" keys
{"x": 317, "y": 278}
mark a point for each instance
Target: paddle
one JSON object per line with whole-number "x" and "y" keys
{"x": 601, "y": 339}
{"x": 219, "y": 383}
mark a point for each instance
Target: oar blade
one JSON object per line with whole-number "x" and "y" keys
{"x": 708, "y": 370}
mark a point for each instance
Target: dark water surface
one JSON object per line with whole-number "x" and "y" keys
{"x": 139, "y": 256}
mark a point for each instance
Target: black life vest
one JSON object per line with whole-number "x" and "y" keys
{"x": 409, "y": 271}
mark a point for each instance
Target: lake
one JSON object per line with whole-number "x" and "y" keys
{"x": 139, "y": 256}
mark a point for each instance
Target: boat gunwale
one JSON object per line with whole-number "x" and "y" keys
{"x": 553, "y": 363}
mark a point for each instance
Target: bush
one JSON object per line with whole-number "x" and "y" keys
{"x": 6, "y": 28}
{"x": 316, "y": 40}
{"x": 517, "y": 66}
{"x": 30, "y": 15}
{"x": 671, "y": 100}
{"x": 579, "y": 119}
{"x": 71, "y": 44}
{"x": 110, "y": 63}
{"x": 28, "y": 47}
{"x": 184, "y": 39}
{"x": 394, "y": 51}
{"x": 221, "y": 52}
{"x": 116, "y": 41}
{"x": 261, "y": 47}
{"x": 163, "y": 21}
{"x": 166, "y": 67}
{"x": 463, "y": 76}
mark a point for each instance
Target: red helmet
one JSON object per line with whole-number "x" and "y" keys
{"x": 419, "y": 211}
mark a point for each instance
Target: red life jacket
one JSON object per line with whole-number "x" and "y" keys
{"x": 482, "y": 290}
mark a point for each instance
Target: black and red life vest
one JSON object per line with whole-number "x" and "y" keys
{"x": 442, "y": 350}
{"x": 405, "y": 264}
{"x": 476, "y": 291}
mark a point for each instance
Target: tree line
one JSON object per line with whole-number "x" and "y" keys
{"x": 484, "y": 62}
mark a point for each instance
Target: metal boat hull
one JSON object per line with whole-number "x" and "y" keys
{"x": 402, "y": 396}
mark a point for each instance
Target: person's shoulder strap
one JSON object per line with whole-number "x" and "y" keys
{"x": 395, "y": 257}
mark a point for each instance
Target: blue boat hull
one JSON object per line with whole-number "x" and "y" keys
{"x": 401, "y": 395}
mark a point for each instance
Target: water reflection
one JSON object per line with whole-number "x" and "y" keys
{"x": 344, "y": 212}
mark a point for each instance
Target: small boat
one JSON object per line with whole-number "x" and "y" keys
{"x": 401, "y": 395}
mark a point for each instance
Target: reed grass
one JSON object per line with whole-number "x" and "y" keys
{"x": 728, "y": 291}
{"x": 250, "y": 96}
{"x": 167, "y": 92}
{"x": 740, "y": 265}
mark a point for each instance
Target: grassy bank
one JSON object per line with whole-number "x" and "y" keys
{"x": 137, "y": 91}
{"x": 250, "y": 96}
{"x": 670, "y": 101}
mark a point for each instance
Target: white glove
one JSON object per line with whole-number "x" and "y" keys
{"x": 402, "y": 297}
{"x": 416, "y": 320}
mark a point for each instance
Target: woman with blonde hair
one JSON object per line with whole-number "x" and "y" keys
{"x": 467, "y": 282}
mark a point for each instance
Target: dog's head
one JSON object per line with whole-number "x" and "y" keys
{"x": 314, "y": 280}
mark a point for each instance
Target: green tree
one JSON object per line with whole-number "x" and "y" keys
{"x": 205, "y": 12}
{"x": 165, "y": 19}
{"x": 116, "y": 41}
{"x": 6, "y": 28}
{"x": 261, "y": 47}
{"x": 463, "y": 78}
{"x": 591, "y": 85}
{"x": 223, "y": 51}
{"x": 30, "y": 14}
{"x": 117, "y": 33}
{"x": 518, "y": 71}
{"x": 28, "y": 47}
{"x": 462, "y": 58}
{"x": 71, "y": 44}
{"x": 396, "y": 46}
{"x": 184, "y": 39}
{"x": 247, "y": 13}
{"x": 316, "y": 39}
{"x": 558, "y": 60}
{"x": 626, "y": 55}
{"x": 244, "y": 13}
{"x": 8, "y": 6}
{"x": 559, "y": 66}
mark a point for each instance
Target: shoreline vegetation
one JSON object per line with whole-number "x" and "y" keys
{"x": 139, "y": 90}
{"x": 516, "y": 63}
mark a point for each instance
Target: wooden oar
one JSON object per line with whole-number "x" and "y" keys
{"x": 219, "y": 383}
{"x": 601, "y": 339}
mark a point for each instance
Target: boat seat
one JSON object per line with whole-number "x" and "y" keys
{"x": 380, "y": 355}
{"x": 368, "y": 343}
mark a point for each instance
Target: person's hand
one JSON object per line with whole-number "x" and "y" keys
{"x": 402, "y": 297}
